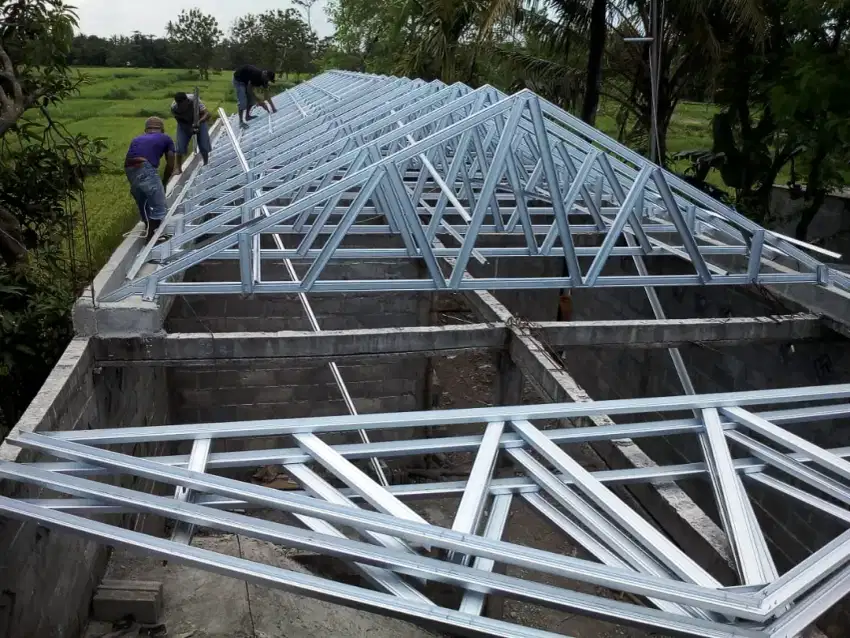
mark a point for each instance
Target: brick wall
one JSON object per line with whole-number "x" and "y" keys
{"x": 47, "y": 577}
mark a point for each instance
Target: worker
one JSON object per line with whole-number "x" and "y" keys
{"x": 245, "y": 79}
{"x": 142, "y": 169}
{"x": 183, "y": 110}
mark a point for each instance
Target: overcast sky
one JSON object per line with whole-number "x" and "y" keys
{"x": 105, "y": 18}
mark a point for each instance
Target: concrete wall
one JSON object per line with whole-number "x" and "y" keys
{"x": 294, "y": 388}
{"x": 47, "y": 579}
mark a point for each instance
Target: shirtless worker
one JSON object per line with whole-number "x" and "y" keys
{"x": 183, "y": 110}
{"x": 245, "y": 79}
{"x": 141, "y": 167}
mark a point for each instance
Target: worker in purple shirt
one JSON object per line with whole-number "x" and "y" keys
{"x": 142, "y": 169}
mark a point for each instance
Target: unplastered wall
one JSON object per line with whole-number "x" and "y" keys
{"x": 292, "y": 388}
{"x": 47, "y": 577}
{"x": 298, "y": 388}
{"x": 793, "y": 530}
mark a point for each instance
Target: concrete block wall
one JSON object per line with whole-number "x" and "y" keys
{"x": 46, "y": 577}
{"x": 293, "y": 388}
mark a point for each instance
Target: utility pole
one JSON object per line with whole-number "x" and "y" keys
{"x": 654, "y": 39}
{"x": 655, "y": 72}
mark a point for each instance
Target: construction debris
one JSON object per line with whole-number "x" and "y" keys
{"x": 116, "y": 600}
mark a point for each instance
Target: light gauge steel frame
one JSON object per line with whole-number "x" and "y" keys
{"x": 439, "y": 168}
{"x": 625, "y": 552}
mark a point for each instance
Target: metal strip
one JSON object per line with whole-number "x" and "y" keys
{"x": 743, "y": 531}
{"x": 468, "y": 515}
{"x": 473, "y": 601}
{"x": 279, "y": 427}
{"x": 267, "y": 575}
{"x": 648, "y": 536}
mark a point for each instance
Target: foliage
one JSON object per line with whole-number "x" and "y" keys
{"x": 196, "y": 35}
{"x": 369, "y": 30}
{"x": 42, "y": 170}
{"x": 694, "y": 35}
{"x": 35, "y": 36}
{"x": 784, "y": 103}
{"x": 811, "y": 104}
{"x": 276, "y": 40}
{"x": 444, "y": 38}
{"x": 330, "y": 56}
{"x": 554, "y": 51}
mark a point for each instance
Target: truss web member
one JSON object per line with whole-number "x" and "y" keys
{"x": 245, "y": 79}
{"x": 183, "y": 110}
{"x": 142, "y": 169}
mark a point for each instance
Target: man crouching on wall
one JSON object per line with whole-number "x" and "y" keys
{"x": 142, "y": 169}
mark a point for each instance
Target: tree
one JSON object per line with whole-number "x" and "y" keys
{"x": 89, "y": 50}
{"x": 694, "y": 36}
{"x": 277, "y": 40}
{"x": 443, "y": 39}
{"x": 376, "y": 31}
{"x": 783, "y": 104}
{"x": 197, "y": 35}
{"x": 307, "y": 5}
{"x": 596, "y": 49}
{"x": 42, "y": 169}
{"x": 549, "y": 58}
{"x": 811, "y": 104}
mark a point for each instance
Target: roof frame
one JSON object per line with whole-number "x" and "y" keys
{"x": 642, "y": 562}
{"x": 452, "y": 161}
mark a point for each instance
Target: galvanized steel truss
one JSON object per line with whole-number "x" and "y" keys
{"x": 439, "y": 168}
{"x": 626, "y": 553}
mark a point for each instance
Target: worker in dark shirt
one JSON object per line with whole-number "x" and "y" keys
{"x": 141, "y": 166}
{"x": 245, "y": 79}
{"x": 183, "y": 110}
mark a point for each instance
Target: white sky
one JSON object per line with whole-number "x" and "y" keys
{"x": 105, "y": 18}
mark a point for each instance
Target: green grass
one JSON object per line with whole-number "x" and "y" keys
{"x": 114, "y": 105}
{"x": 116, "y": 101}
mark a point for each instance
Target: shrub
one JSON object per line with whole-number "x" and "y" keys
{"x": 151, "y": 113}
{"x": 118, "y": 94}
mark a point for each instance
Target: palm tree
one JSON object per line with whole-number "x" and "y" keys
{"x": 568, "y": 46}
{"x": 551, "y": 52}
{"x": 445, "y": 36}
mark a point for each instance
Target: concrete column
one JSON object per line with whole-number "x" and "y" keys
{"x": 509, "y": 382}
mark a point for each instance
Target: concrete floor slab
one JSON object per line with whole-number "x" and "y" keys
{"x": 200, "y": 604}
